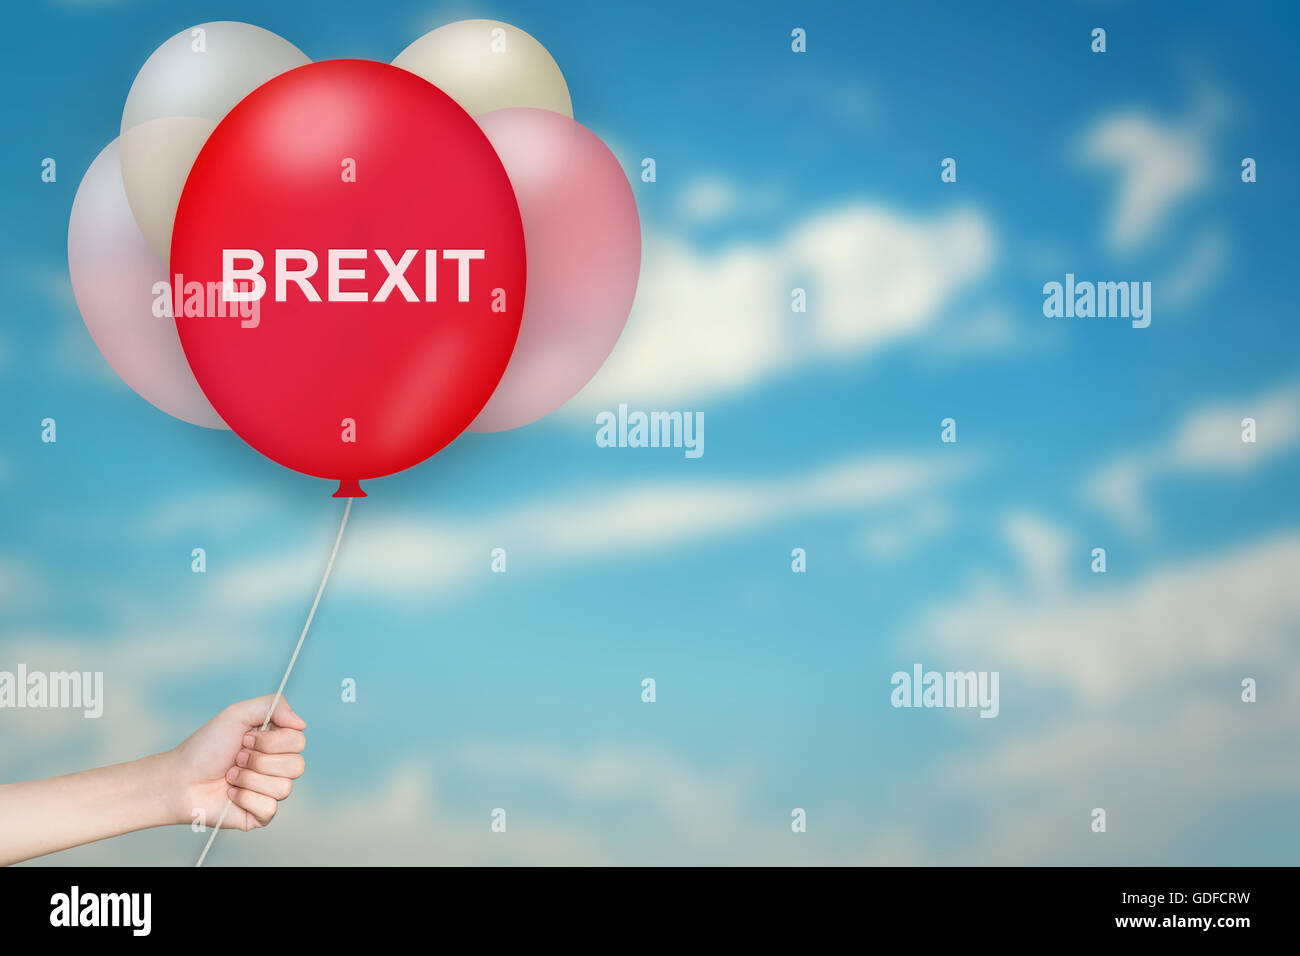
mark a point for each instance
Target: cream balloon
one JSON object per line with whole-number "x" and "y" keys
{"x": 180, "y": 94}
{"x": 122, "y": 294}
{"x": 487, "y": 65}
{"x": 156, "y": 160}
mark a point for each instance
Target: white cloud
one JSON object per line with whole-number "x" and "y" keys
{"x": 991, "y": 329}
{"x": 1200, "y": 268}
{"x": 19, "y": 583}
{"x": 1043, "y": 548}
{"x": 1210, "y": 440}
{"x": 1117, "y": 488}
{"x": 1162, "y": 777}
{"x": 707, "y": 323}
{"x": 1207, "y": 441}
{"x": 207, "y": 511}
{"x": 1159, "y": 166}
{"x": 707, "y": 200}
{"x": 413, "y": 558}
{"x": 878, "y": 276}
{"x": 1211, "y": 617}
{"x": 897, "y": 535}
{"x": 1128, "y": 698}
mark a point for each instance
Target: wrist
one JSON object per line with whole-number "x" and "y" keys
{"x": 162, "y": 790}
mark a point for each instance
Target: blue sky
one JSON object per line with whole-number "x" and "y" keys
{"x": 775, "y": 169}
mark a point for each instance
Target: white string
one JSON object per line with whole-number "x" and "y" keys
{"x": 287, "y": 671}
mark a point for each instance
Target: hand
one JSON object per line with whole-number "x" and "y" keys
{"x": 226, "y": 757}
{"x": 230, "y": 758}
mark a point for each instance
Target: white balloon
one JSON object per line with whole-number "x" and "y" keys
{"x": 156, "y": 161}
{"x": 121, "y": 292}
{"x": 487, "y": 65}
{"x": 206, "y": 70}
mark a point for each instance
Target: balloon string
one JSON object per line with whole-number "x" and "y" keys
{"x": 287, "y": 671}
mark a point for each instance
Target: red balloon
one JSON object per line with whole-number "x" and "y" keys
{"x": 361, "y": 187}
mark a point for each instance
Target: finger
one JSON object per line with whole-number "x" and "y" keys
{"x": 277, "y": 765}
{"x": 259, "y": 806}
{"x": 285, "y": 717}
{"x": 252, "y": 713}
{"x": 277, "y": 788}
{"x": 277, "y": 741}
{"x": 238, "y": 818}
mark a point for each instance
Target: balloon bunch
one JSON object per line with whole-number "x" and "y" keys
{"x": 349, "y": 262}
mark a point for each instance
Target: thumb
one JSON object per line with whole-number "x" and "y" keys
{"x": 253, "y": 712}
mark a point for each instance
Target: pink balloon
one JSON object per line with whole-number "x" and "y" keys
{"x": 583, "y": 241}
{"x": 114, "y": 274}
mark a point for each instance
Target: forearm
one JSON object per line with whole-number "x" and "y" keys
{"x": 42, "y": 816}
